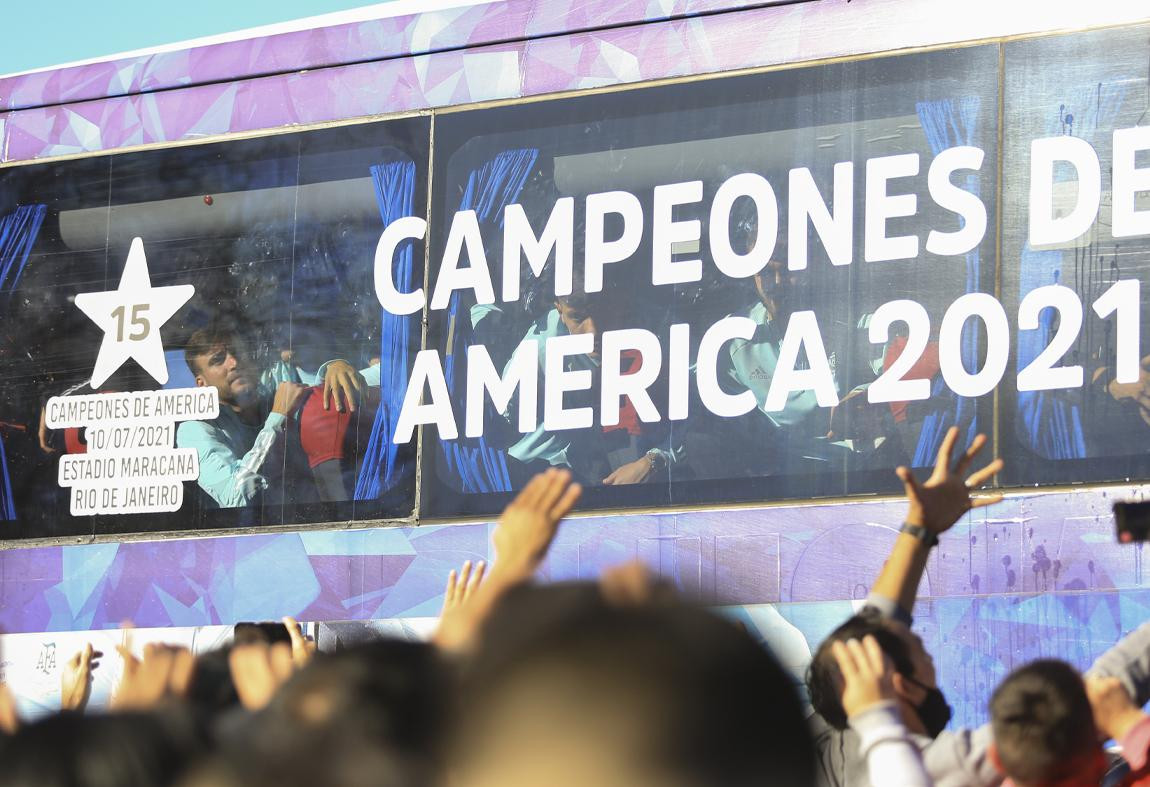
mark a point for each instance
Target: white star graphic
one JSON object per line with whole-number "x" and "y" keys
{"x": 130, "y": 317}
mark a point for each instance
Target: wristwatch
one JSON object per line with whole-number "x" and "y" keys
{"x": 921, "y": 533}
{"x": 657, "y": 459}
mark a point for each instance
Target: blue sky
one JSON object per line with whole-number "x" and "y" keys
{"x": 50, "y": 32}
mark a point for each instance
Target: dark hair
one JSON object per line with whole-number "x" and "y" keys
{"x": 369, "y": 715}
{"x": 327, "y": 757}
{"x": 579, "y": 298}
{"x": 390, "y": 691}
{"x": 1042, "y": 719}
{"x": 212, "y": 691}
{"x": 264, "y": 633}
{"x": 122, "y": 750}
{"x": 823, "y": 678}
{"x": 203, "y": 341}
{"x": 714, "y": 707}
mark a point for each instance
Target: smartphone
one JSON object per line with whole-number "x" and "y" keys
{"x": 1132, "y": 521}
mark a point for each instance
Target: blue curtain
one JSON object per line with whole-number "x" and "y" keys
{"x": 1050, "y": 425}
{"x": 496, "y": 184}
{"x": 949, "y": 123}
{"x": 18, "y": 231}
{"x": 395, "y": 195}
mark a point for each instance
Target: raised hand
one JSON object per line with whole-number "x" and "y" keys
{"x": 462, "y": 586}
{"x": 289, "y": 397}
{"x": 9, "y": 718}
{"x": 867, "y": 674}
{"x": 258, "y": 670}
{"x": 302, "y": 648}
{"x": 632, "y": 584}
{"x": 342, "y": 380}
{"x": 461, "y": 613}
{"x": 522, "y": 537}
{"x": 164, "y": 672}
{"x": 528, "y": 525}
{"x": 939, "y": 502}
{"x": 76, "y": 678}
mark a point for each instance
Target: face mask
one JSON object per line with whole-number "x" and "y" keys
{"x": 933, "y": 711}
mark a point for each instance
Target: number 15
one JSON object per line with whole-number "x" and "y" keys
{"x": 140, "y": 324}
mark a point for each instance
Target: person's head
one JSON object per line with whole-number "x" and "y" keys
{"x": 121, "y": 750}
{"x": 216, "y": 360}
{"x": 1043, "y": 725}
{"x": 781, "y": 290}
{"x": 567, "y": 689}
{"x": 325, "y": 757}
{"x": 587, "y": 313}
{"x": 389, "y": 691}
{"x": 923, "y": 705}
{"x": 265, "y": 633}
{"x": 212, "y": 691}
{"x": 373, "y": 714}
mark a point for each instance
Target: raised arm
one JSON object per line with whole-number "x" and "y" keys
{"x": 524, "y": 534}
{"x": 1129, "y": 662}
{"x": 233, "y": 480}
{"x": 76, "y": 678}
{"x": 933, "y": 508}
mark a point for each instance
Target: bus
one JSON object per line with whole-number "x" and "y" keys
{"x": 286, "y": 321}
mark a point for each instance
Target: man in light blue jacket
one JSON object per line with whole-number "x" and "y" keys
{"x": 248, "y": 443}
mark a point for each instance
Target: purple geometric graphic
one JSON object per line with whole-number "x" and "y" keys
{"x": 1038, "y": 575}
{"x": 382, "y": 39}
{"x": 1043, "y": 543}
{"x": 509, "y": 49}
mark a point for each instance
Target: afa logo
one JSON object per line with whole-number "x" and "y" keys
{"x": 46, "y": 662}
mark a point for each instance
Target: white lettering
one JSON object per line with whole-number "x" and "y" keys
{"x": 1045, "y": 228}
{"x": 615, "y": 384}
{"x": 522, "y": 375}
{"x": 464, "y": 232}
{"x": 835, "y": 230}
{"x": 519, "y": 239}
{"x": 714, "y": 397}
{"x": 597, "y": 250}
{"x": 667, "y": 232}
{"x": 390, "y": 298}
{"x": 949, "y": 196}
{"x": 802, "y": 330}
{"x": 758, "y": 189}
{"x": 560, "y": 380}
{"x": 427, "y": 370}
{"x": 1129, "y": 181}
{"x": 881, "y": 207}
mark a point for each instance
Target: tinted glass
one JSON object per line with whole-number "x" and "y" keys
{"x": 1073, "y": 416}
{"x": 277, "y": 237}
{"x": 639, "y": 264}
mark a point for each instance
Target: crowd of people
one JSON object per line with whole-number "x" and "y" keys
{"x": 617, "y": 682}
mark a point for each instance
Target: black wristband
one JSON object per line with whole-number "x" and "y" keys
{"x": 921, "y": 533}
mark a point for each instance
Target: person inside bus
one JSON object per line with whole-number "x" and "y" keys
{"x": 249, "y": 444}
{"x": 803, "y": 436}
{"x": 629, "y": 452}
